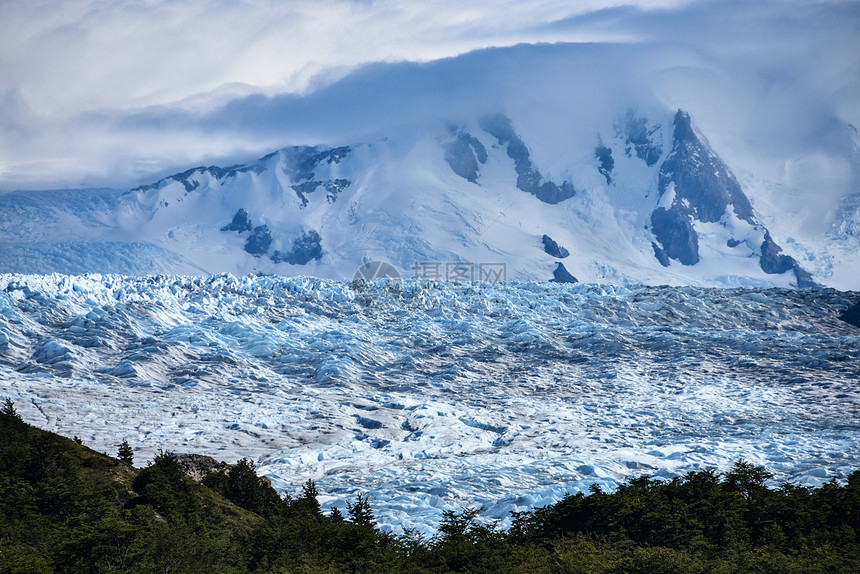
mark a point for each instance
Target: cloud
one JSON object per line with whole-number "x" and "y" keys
{"x": 72, "y": 54}
{"x": 110, "y": 93}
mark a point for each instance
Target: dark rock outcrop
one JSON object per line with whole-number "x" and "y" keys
{"x": 306, "y": 248}
{"x": 529, "y": 179}
{"x": 553, "y": 248}
{"x": 299, "y": 164}
{"x": 190, "y": 179}
{"x": 704, "y": 187}
{"x": 674, "y": 230}
{"x": 241, "y": 222}
{"x": 804, "y": 279}
{"x": 464, "y": 155}
{"x": 562, "y": 275}
{"x": 774, "y": 262}
{"x": 301, "y": 161}
{"x": 661, "y": 255}
{"x": 639, "y": 139}
{"x": 259, "y": 241}
{"x": 334, "y": 188}
{"x": 607, "y": 163}
{"x": 303, "y": 189}
{"x": 771, "y": 259}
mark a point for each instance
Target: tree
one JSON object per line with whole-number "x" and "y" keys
{"x": 243, "y": 485}
{"x": 250, "y": 491}
{"x": 125, "y": 453}
{"x": 8, "y": 410}
{"x": 464, "y": 544}
{"x": 748, "y": 479}
{"x": 308, "y": 502}
{"x": 309, "y": 490}
{"x": 360, "y": 512}
{"x": 456, "y": 525}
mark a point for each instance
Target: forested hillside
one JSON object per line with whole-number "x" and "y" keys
{"x": 67, "y": 508}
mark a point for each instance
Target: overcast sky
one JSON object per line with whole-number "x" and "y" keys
{"x": 81, "y": 80}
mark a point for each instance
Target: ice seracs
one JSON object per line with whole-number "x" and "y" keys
{"x": 432, "y": 395}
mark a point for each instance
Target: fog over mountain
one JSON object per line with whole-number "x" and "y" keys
{"x": 121, "y": 97}
{"x": 109, "y": 94}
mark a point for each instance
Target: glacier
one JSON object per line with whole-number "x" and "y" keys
{"x": 431, "y": 395}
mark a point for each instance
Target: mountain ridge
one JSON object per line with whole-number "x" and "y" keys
{"x": 459, "y": 195}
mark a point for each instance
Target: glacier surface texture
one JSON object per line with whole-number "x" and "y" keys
{"x": 431, "y": 396}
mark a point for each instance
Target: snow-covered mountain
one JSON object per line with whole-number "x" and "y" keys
{"x": 496, "y": 157}
{"x": 641, "y": 199}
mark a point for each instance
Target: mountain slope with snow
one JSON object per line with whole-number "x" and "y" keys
{"x": 603, "y": 148}
{"x": 639, "y": 200}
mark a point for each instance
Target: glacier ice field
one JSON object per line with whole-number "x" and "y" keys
{"x": 429, "y": 396}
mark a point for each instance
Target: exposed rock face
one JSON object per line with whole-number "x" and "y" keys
{"x": 553, "y": 248}
{"x": 804, "y": 278}
{"x": 306, "y": 248}
{"x": 695, "y": 185}
{"x": 303, "y": 189}
{"x": 334, "y": 188}
{"x": 704, "y": 187}
{"x": 190, "y": 179}
{"x": 771, "y": 259}
{"x": 562, "y": 275}
{"x": 639, "y": 139}
{"x": 674, "y": 230}
{"x": 259, "y": 241}
{"x": 241, "y": 222}
{"x": 197, "y": 466}
{"x": 607, "y": 163}
{"x": 301, "y": 161}
{"x": 464, "y": 155}
{"x": 660, "y": 254}
{"x": 529, "y": 179}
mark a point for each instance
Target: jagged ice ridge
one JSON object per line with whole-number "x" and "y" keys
{"x": 431, "y": 395}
